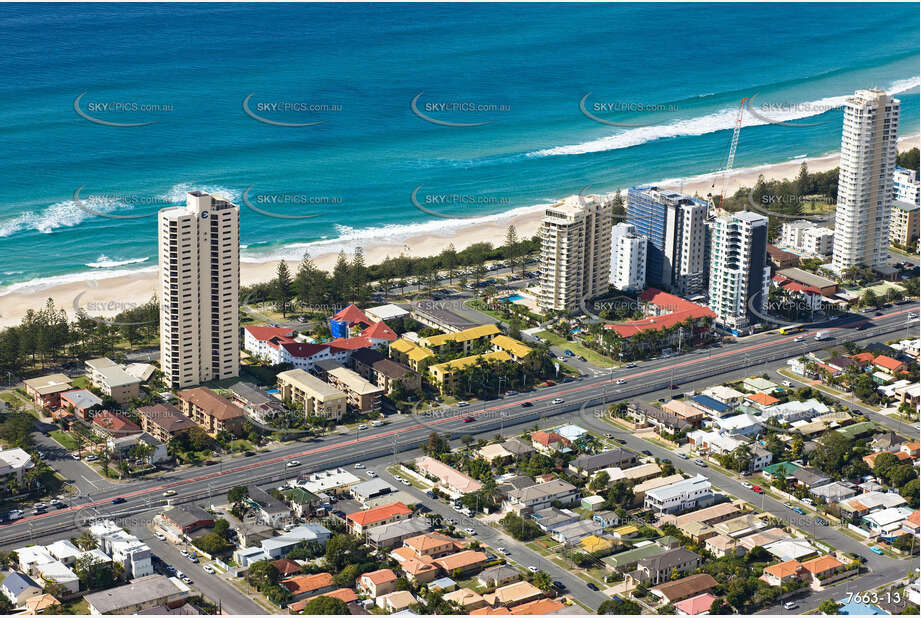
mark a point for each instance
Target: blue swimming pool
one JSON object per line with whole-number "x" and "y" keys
{"x": 513, "y": 298}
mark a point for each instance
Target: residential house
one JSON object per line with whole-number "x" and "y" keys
{"x": 462, "y": 562}
{"x": 377, "y": 583}
{"x": 513, "y": 594}
{"x": 466, "y": 598}
{"x": 684, "y": 410}
{"x": 588, "y": 465}
{"x": 684, "y": 588}
{"x": 15, "y": 461}
{"x": 270, "y": 510}
{"x": 302, "y": 586}
{"x": 432, "y": 545}
{"x": 658, "y": 418}
{"x": 627, "y": 560}
{"x": 834, "y": 492}
{"x": 184, "y": 519}
{"x": 810, "y": 477}
{"x": 576, "y": 531}
{"x": 396, "y": 601}
{"x": 451, "y": 480}
{"x": 46, "y": 391}
{"x": 112, "y": 380}
{"x": 740, "y": 425}
{"x": 710, "y": 406}
{"x": 517, "y": 447}
{"x": 108, "y": 424}
{"x": 258, "y": 405}
{"x": 795, "y": 410}
{"x": 659, "y": 568}
{"x": 825, "y": 569}
{"x": 361, "y": 395}
{"x": 391, "y": 535}
{"x": 496, "y": 576}
{"x": 362, "y": 521}
{"x": 18, "y": 588}
{"x": 128, "y": 446}
{"x": 81, "y": 403}
{"x": 783, "y": 572}
{"x": 548, "y": 442}
{"x": 695, "y": 606}
{"x": 551, "y": 518}
{"x": 725, "y": 394}
{"x": 724, "y": 545}
{"x": 139, "y": 594}
{"x": 889, "y": 365}
{"x": 542, "y": 495}
{"x": 790, "y": 549}
{"x": 680, "y": 496}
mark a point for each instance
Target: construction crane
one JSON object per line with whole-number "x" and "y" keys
{"x": 730, "y": 160}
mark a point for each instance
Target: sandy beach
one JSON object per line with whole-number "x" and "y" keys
{"x": 105, "y": 297}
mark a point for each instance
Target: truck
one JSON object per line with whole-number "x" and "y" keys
{"x": 822, "y": 336}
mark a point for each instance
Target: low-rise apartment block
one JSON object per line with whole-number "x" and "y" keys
{"x": 313, "y": 395}
{"x": 210, "y": 411}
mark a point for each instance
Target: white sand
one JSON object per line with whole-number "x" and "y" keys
{"x": 137, "y": 288}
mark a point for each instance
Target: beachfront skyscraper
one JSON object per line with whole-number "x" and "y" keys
{"x": 628, "y": 258}
{"x": 199, "y": 278}
{"x": 575, "y": 254}
{"x": 675, "y": 228}
{"x": 868, "y": 153}
{"x": 739, "y": 273}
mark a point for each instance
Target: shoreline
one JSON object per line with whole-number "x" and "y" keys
{"x": 125, "y": 289}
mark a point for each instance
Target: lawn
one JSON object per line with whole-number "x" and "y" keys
{"x": 235, "y": 446}
{"x": 577, "y": 348}
{"x": 81, "y": 382}
{"x": 65, "y": 439}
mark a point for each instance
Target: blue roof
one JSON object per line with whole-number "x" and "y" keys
{"x": 16, "y": 583}
{"x": 861, "y": 609}
{"x": 710, "y": 403}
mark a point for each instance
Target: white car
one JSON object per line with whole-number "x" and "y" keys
{"x": 533, "y": 569}
{"x": 362, "y": 427}
{"x": 293, "y": 464}
{"x": 470, "y": 531}
{"x": 621, "y": 381}
{"x": 800, "y": 338}
{"x": 746, "y": 485}
{"x": 790, "y": 605}
{"x": 160, "y": 536}
{"x": 557, "y": 401}
{"x": 169, "y": 492}
{"x": 462, "y": 404}
{"x": 76, "y": 457}
{"x": 405, "y": 482}
{"x": 208, "y": 569}
{"x": 502, "y": 550}
{"x": 359, "y": 466}
{"x": 371, "y": 473}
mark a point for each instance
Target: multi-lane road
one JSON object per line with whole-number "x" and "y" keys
{"x": 405, "y": 433}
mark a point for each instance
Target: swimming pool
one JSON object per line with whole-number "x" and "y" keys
{"x": 514, "y": 297}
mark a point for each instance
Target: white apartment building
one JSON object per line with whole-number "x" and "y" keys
{"x": 906, "y": 187}
{"x": 680, "y": 496}
{"x": 739, "y": 274}
{"x": 688, "y": 256}
{"x": 903, "y": 224}
{"x": 575, "y": 257}
{"x": 199, "y": 276}
{"x": 124, "y": 548}
{"x": 628, "y": 258}
{"x": 807, "y": 237}
{"x": 868, "y": 153}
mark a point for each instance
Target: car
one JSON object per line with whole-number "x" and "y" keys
{"x": 609, "y": 436}
{"x": 789, "y": 505}
{"x": 630, "y": 365}
{"x": 210, "y": 462}
{"x": 91, "y": 458}
{"x": 821, "y": 521}
{"x": 208, "y": 569}
{"x": 119, "y": 500}
{"x": 526, "y": 404}
{"x": 511, "y": 393}
{"x": 799, "y": 338}
{"x": 912, "y": 315}
{"x": 405, "y": 482}
{"x": 502, "y": 550}
{"x": 757, "y": 489}
{"x": 787, "y": 383}
{"x": 620, "y": 381}
{"x": 470, "y": 531}
{"x": 193, "y": 558}
{"x": 746, "y": 484}
{"x": 861, "y": 327}
{"x": 557, "y": 401}
{"x": 591, "y": 586}
{"x": 582, "y": 358}
{"x": 876, "y": 550}
{"x": 38, "y": 510}
{"x": 248, "y": 453}
{"x": 56, "y": 503}
{"x": 293, "y": 463}
{"x": 798, "y": 510}
{"x": 620, "y": 440}
{"x": 160, "y": 536}
{"x": 462, "y": 404}
{"x": 75, "y": 456}
{"x": 568, "y": 352}
{"x": 647, "y": 453}
{"x": 40, "y": 505}
{"x": 169, "y": 492}
{"x": 559, "y": 585}
{"x": 362, "y": 427}
{"x": 789, "y": 605}
{"x": 468, "y": 419}
{"x": 184, "y": 552}
{"x": 701, "y": 463}
{"x": 186, "y": 579}
{"x": 371, "y": 473}
{"x": 533, "y": 569}
{"x": 682, "y": 456}
{"x": 675, "y": 386}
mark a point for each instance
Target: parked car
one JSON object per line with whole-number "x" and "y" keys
{"x": 821, "y": 521}
{"x": 470, "y": 531}
{"x": 75, "y": 456}
{"x": 798, "y": 510}
{"x": 533, "y": 569}
{"x": 371, "y": 473}
{"x": 568, "y": 352}
{"x": 362, "y": 427}
{"x": 876, "y": 550}
{"x": 630, "y": 365}
{"x": 559, "y": 585}
{"x": 757, "y": 489}
{"x": 160, "y": 536}
{"x": 746, "y": 484}
{"x": 682, "y": 456}
{"x": 468, "y": 419}
{"x": 701, "y": 463}
{"x": 462, "y": 404}
{"x": 789, "y": 605}
{"x": 502, "y": 550}
{"x": 591, "y": 586}
{"x": 208, "y": 569}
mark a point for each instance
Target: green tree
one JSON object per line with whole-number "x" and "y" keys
{"x": 827, "y": 607}
{"x": 237, "y": 493}
{"x": 620, "y": 607}
{"x": 284, "y": 288}
{"x": 326, "y": 606}
{"x": 542, "y": 580}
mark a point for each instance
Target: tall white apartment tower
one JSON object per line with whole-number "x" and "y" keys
{"x": 628, "y": 258}
{"x": 199, "y": 275}
{"x": 868, "y": 153}
{"x": 739, "y": 273}
{"x": 575, "y": 254}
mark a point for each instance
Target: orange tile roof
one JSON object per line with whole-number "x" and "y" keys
{"x": 286, "y": 567}
{"x": 381, "y": 576}
{"x": 426, "y": 542}
{"x": 352, "y": 314}
{"x": 346, "y": 595}
{"x": 912, "y": 446}
{"x": 864, "y": 357}
{"x": 302, "y": 584}
{"x": 914, "y": 518}
{"x": 491, "y": 611}
{"x": 887, "y": 362}
{"x": 411, "y": 564}
{"x": 379, "y": 513}
{"x": 822, "y": 564}
{"x": 784, "y": 569}
{"x": 538, "y": 607}
{"x": 763, "y": 398}
{"x": 461, "y": 560}
{"x": 379, "y": 330}
{"x": 545, "y": 438}
{"x": 871, "y": 458}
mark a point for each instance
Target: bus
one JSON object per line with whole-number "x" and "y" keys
{"x": 789, "y": 330}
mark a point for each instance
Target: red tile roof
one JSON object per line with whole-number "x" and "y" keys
{"x": 679, "y": 310}
{"x": 864, "y": 357}
{"x": 302, "y": 584}
{"x": 352, "y": 314}
{"x": 822, "y": 564}
{"x": 346, "y": 595}
{"x": 286, "y": 567}
{"x": 795, "y": 286}
{"x": 264, "y": 333}
{"x": 548, "y": 438}
{"x": 540, "y": 607}
{"x": 887, "y": 362}
{"x": 303, "y": 350}
{"x": 115, "y": 422}
{"x": 784, "y": 569}
{"x": 379, "y": 330}
{"x": 380, "y": 513}
{"x": 352, "y": 343}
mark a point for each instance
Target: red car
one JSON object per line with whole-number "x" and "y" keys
{"x": 468, "y": 419}
{"x": 757, "y": 489}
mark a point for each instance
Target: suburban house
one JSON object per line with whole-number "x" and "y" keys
{"x": 46, "y": 390}
{"x": 684, "y": 588}
{"x": 548, "y": 442}
{"x": 683, "y": 495}
{"x": 453, "y": 481}
{"x": 658, "y": 569}
{"x": 587, "y": 465}
{"x": 362, "y": 521}
{"x": 377, "y": 583}
{"x": 536, "y": 497}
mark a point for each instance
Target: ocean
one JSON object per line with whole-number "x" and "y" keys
{"x": 341, "y": 125}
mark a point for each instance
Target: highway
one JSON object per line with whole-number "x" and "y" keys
{"x": 402, "y": 433}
